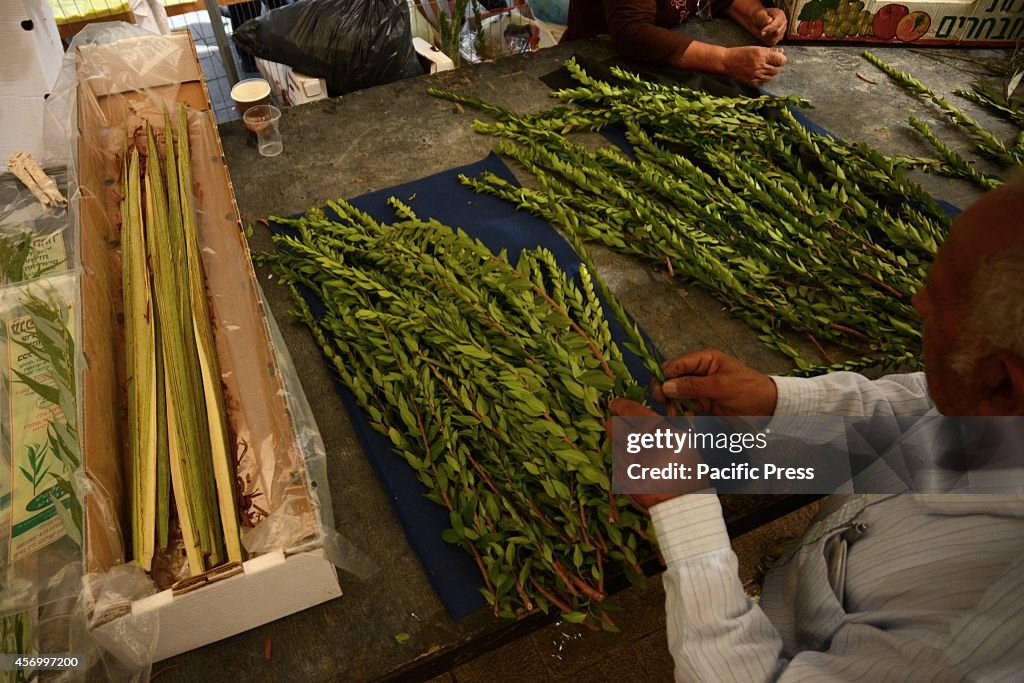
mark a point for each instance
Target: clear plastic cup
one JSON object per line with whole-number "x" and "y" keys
{"x": 265, "y": 121}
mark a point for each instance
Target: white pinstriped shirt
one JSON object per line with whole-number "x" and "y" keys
{"x": 934, "y": 589}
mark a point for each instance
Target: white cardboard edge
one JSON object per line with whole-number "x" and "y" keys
{"x": 270, "y": 587}
{"x": 438, "y": 60}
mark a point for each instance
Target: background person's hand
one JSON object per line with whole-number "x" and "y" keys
{"x": 754, "y": 65}
{"x": 769, "y": 24}
{"x": 720, "y": 385}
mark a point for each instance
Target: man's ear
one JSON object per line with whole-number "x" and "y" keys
{"x": 1001, "y": 383}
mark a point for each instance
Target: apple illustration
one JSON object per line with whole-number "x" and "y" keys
{"x": 888, "y": 19}
{"x": 913, "y": 26}
{"x": 816, "y": 28}
{"x": 803, "y": 28}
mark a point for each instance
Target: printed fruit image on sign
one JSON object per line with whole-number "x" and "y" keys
{"x": 833, "y": 19}
{"x": 990, "y": 23}
{"x": 913, "y": 26}
{"x": 810, "y": 29}
{"x": 888, "y": 19}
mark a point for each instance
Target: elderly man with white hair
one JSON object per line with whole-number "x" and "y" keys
{"x": 898, "y": 587}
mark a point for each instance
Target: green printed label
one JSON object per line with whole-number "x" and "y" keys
{"x": 47, "y": 255}
{"x": 33, "y": 518}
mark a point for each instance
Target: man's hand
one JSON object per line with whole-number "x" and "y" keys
{"x": 623, "y": 407}
{"x": 755, "y": 65}
{"x": 720, "y": 384}
{"x": 768, "y": 25}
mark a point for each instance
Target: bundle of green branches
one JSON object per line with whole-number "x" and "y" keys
{"x": 490, "y": 380}
{"x": 450, "y": 29}
{"x": 803, "y": 236}
{"x": 177, "y": 429}
{"x": 1007, "y": 155}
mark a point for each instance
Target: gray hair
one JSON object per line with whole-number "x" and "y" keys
{"x": 996, "y": 304}
{"x": 998, "y": 300}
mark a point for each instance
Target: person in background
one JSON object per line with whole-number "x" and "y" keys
{"x": 881, "y": 588}
{"x": 641, "y": 30}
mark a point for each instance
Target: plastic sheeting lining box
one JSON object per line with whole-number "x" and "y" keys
{"x": 938, "y": 22}
{"x": 121, "y": 84}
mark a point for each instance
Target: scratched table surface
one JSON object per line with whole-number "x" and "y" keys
{"x": 396, "y": 133}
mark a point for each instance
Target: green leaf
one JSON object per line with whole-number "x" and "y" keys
{"x": 598, "y": 380}
{"x": 571, "y": 456}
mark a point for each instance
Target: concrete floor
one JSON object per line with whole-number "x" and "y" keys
{"x": 639, "y": 652}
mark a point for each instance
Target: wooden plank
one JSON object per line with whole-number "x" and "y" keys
{"x": 189, "y": 7}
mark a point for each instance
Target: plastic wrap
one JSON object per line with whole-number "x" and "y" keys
{"x": 34, "y": 240}
{"x": 17, "y": 626}
{"x": 41, "y": 479}
{"x": 500, "y": 28}
{"x": 126, "y": 647}
{"x": 38, "y": 446}
{"x": 353, "y": 44}
{"x": 116, "y": 78}
{"x": 41, "y": 482}
{"x": 340, "y": 550}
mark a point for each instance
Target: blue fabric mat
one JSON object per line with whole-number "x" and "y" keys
{"x": 453, "y": 572}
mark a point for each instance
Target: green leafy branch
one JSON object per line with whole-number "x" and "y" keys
{"x": 491, "y": 379}
{"x": 801, "y": 235}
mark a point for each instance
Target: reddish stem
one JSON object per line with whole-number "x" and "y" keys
{"x": 560, "y": 604}
{"x": 888, "y": 288}
{"x": 850, "y": 331}
{"x": 524, "y": 597}
{"x": 820, "y": 348}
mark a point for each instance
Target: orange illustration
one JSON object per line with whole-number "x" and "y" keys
{"x": 913, "y": 26}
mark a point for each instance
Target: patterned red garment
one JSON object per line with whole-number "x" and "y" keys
{"x": 640, "y": 29}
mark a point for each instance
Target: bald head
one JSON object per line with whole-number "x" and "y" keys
{"x": 973, "y": 309}
{"x": 988, "y": 227}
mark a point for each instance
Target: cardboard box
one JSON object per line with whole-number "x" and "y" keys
{"x": 939, "y": 22}
{"x": 276, "y": 74}
{"x": 289, "y": 86}
{"x": 432, "y": 59}
{"x": 21, "y": 126}
{"x": 31, "y": 48}
{"x": 302, "y": 88}
{"x": 273, "y": 584}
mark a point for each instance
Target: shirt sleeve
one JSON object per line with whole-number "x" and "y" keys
{"x": 635, "y": 35}
{"x": 715, "y": 633}
{"x": 850, "y": 394}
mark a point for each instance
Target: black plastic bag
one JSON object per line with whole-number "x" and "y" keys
{"x": 354, "y": 44}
